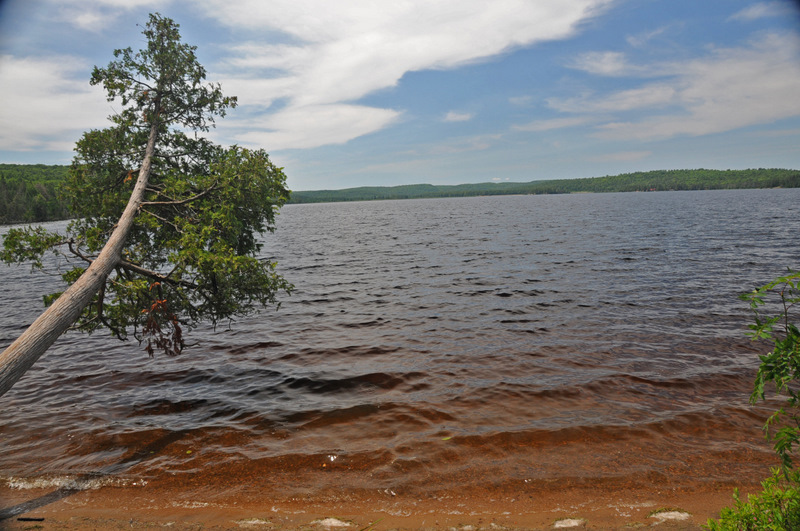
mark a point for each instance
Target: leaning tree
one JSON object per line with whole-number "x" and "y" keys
{"x": 167, "y": 224}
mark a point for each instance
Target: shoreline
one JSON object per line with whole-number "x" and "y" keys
{"x": 591, "y": 506}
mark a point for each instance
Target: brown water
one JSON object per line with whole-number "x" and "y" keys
{"x": 432, "y": 345}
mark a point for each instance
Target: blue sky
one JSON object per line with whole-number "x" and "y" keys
{"x": 354, "y": 92}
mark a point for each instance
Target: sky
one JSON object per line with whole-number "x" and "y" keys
{"x": 353, "y": 93}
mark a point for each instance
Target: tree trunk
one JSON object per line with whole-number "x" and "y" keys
{"x": 23, "y": 353}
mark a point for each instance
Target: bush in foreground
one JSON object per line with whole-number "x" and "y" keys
{"x": 777, "y": 507}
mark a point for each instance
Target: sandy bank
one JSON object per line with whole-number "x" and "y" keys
{"x": 472, "y": 509}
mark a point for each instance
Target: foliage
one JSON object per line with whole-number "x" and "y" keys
{"x": 193, "y": 253}
{"x": 773, "y": 309}
{"x": 776, "y": 507}
{"x": 30, "y": 193}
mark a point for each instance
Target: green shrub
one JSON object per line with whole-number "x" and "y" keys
{"x": 776, "y": 508}
{"x": 773, "y": 306}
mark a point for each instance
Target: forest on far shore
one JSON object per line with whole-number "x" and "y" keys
{"x": 30, "y": 192}
{"x": 650, "y": 181}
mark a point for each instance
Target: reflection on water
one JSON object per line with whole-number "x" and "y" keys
{"x": 435, "y": 343}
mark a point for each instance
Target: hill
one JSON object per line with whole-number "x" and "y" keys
{"x": 652, "y": 181}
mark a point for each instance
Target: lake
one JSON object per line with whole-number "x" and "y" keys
{"x": 502, "y": 342}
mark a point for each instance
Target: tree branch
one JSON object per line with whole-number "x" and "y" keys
{"x": 183, "y": 201}
{"x": 164, "y": 220}
{"x": 130, "y": 267}
{"x": 78, "y": 253}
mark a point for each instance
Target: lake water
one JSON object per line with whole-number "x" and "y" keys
{"x": 431, "y": 345}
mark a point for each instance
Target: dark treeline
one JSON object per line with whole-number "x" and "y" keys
{"x": 652, "y": 181}
{"x": 30, "y": 193}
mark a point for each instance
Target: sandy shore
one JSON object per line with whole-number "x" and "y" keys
{"x": 539, "y": 508}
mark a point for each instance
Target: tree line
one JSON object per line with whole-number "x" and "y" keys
{"x": 651, "y": 181}
{"x": 32, "y": 192}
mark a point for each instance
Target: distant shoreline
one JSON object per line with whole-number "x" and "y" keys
{"x": 651, "y": 181}
{"x": 29, "y": 193}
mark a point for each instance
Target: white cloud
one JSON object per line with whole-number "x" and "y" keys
{"x": 554, "y": 123}
{"x": 622, "y": 156}
{"x": 87, "y": 20}
{"x": 614, "y": 64}
{"x": 765, "y": 10}
{"x": 604, "y": 64}
{"x": 304, "y": 91}
{"x": 521, "y": 101}
{"x": 454, "y": 116}
{"x": 643, "y": 38}
{"x": 60, "y": 103}
{"x": 656, "y": 94}
{"x": 98, "y": 15}
{"x": 311, "y": 126}
{"x": 338, "y": 52}
{"x": 728, "y": 89}
{"x": 403, "y": 166}
{"x": 777, "y": 133}
{"x": 464, "y": 145}
{"x": 122, "y": 4}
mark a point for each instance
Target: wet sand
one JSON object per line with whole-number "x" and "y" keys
{"x": 541, "y": 506}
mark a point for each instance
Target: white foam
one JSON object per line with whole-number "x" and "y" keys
{"x": 190, "y": 504}
{"x": 568, "y": 522}
{"x": 671, "y": 515}
{"x": 71, "y": 482}
{"x": 332, "y": 522}
{"x": 253, "y": 522}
